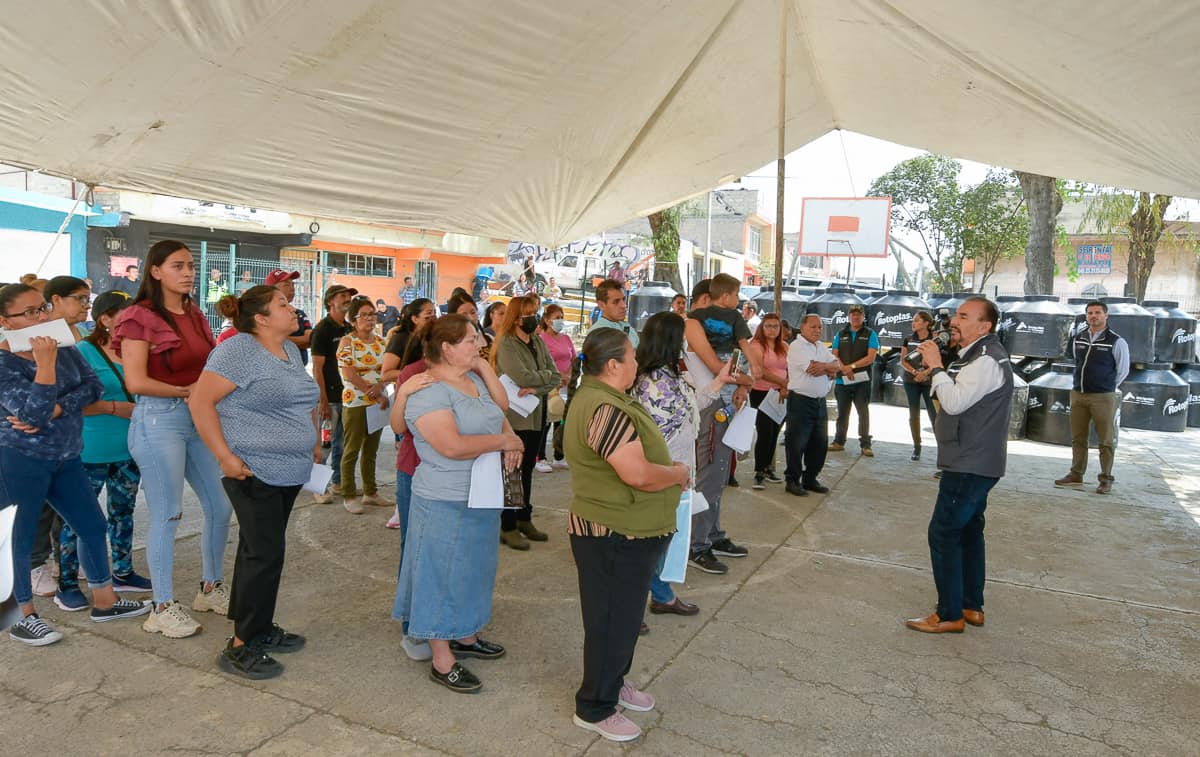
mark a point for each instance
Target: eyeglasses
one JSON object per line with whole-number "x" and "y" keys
{"x": 82, "y": 299}
{"x": 30, "y": 313}
{"x": 366, "y": 315}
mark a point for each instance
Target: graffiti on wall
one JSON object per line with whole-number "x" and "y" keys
{"x": 636, "y": 259}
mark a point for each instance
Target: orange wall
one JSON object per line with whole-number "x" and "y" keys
{"x": 452, "y": 270}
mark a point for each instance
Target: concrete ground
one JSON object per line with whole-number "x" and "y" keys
{"x": 1092, "y": 643}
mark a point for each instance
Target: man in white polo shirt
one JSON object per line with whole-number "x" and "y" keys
{"x": 811, "y": 367}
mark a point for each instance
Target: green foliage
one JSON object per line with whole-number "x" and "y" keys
{"x": 995, "y": 224}
{"x": 1138, "y": 218}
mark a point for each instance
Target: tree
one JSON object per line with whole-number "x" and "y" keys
{"x": 1138, "y": 216}
{"x": 926, "y": 200}
{"x": 1044, "y": 202}
{"x": 995, "y": 224}
{"x": 664, "y": 235}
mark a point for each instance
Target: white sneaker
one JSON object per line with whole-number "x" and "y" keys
{"x": 172, "y": 621}
{"x": 543, "y": 467}
{"x": 216, "y": 600}
{"x": 560, "y": 464}
{"x": 43, "y": 581}
{"x": 353, "y": 505}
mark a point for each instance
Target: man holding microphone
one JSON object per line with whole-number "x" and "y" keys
{"x": 975, "y": 392}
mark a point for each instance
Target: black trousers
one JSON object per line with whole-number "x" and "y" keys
{"x": 45, "y": 540}
{"x": 262, "y": 513}
{"x": 806, "y": 440}
{"x": 768, "y": 435}
{"x": 534, "y": 441}
{"x": 860, "y": 395}
{"x": 614, "y": 577}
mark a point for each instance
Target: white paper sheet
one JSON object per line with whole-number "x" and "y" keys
{"x": 522, "y": 406}
{"x": 739, "y": 436}
{"x": 699, "y": 502}
{"x": 487, "y": 482}
{"x": 18, "y": 340}
{"x": 319, "y": 479}
{"x": 859, "y": 377}
{"x": 773, "y": 406}
{"x": 377, "y": 417}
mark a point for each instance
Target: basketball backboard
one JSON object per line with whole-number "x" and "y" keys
{"x": 845, "y": 226}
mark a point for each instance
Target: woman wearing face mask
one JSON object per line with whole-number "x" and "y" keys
{"x": 524, "y": 358}
{"x": 562, "y": 350}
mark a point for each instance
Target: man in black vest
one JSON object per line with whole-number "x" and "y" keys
{"x": 856, "y": 347}
{"x": 975, "y": 392}
{"x": 1101, "y": 364}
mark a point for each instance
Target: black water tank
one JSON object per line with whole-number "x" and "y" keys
{"x": 1038, "y": 326}
{"x": 1030, "y": 368}
{"x": 955, "y": 300}
{"x": 1153, "y": 398}
{"x": 1048, "y": 414}
{"x": 791, "y": 301}
{"x": 1078, "y": 306}
{"x": 891, "y": 315}
{"x": 1136, "y": 324}
{"x": 1174, "y": 332}
{"x": 650, "y": 298}
{"x": 892, "y": 379}
{"x": 936, "y": 299}
{"x": 1003, "y": 303}
{"x": 833, "y": 307}
{"x": 1019, "y": 410}
{"x": 1191, "y": 374}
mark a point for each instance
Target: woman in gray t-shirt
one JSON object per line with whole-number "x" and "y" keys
{"x": 448, "y": 568}
{"x": 255, "y": 408}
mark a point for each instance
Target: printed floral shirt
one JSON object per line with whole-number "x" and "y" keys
{"x": 366, "y": 357}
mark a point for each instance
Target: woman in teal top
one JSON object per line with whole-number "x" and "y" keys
{"x": 106, "y": 460}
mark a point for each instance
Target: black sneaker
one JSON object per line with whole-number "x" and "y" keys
{"x": 916, "y": 454}
{"x": 34, "y": 631}
{"x": 279, "y": 641}
{"x": 773, "y": 477}
{"x": 707, "y": 562}
{"x": 759, "y": 481}
{"x": 458, "y": 679}
{"x": 733, "y": 482}
{"x": 726, "y": 548}
{"x": 816, "y": 486}
{"x": 122, "y": 608}
{"x": 795, "y": 489}
{"x": 248, "y": 661}
{"x": 481, "y": 649}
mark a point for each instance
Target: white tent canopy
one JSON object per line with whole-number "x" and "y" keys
{"x": 545, "y": 121}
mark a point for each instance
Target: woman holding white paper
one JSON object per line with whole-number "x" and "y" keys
{"x": 448, "y": 569}
{"x": 255, "y": 408}
{"x": 360, "y": 358}
{"x": 669, "y": 396}
{"x": 524, "y": 358}
{"x": 771, "y": 351}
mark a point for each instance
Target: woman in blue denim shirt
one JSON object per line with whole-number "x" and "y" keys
{"x": 42, "y": 396}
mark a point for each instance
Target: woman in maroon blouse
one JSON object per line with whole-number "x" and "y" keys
{"x": 164, "y": 341}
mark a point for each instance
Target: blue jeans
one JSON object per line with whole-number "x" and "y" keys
{"x": 661, "y": 591}
{"x": 403, "y": 500}
{"x": 806, "y": 440}
{"x": 167, "y": 449}
{"x": 956, "y": 546}
{"x": 336, "y": 443}
{"x": 29, "y": 483}
{"x": 121, "y": 479}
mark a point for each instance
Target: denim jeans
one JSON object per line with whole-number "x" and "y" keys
{"x": 915, "y": 393}
{"x": 403, "y": 501}
{"x": 121, "y": 480}
{"x": 337, "y": 443}
{"x": 167, "y": 449}
{"x": 29, "y": 483}
{"x": 661, "y": 591}
{"x": 956, "y": 546}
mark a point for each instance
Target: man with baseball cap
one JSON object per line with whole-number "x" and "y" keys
{"x": 855, "y": 346}
{"x": 325, "y": 338}
{"x": 284, "y": 281}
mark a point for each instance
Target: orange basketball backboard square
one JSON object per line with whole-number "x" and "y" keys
{"x": 845, "y": 224}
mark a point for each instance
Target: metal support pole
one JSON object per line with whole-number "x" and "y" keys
{"x": 781, "y": 162}
{"x": 707, "y": 238}
{"x": 203, "y": 272}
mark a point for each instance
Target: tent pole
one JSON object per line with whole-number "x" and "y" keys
{"x": 781, "y": 162}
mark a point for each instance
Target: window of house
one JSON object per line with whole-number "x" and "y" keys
{"x": 379, "y": 266}
{"x": 754, "y": 244}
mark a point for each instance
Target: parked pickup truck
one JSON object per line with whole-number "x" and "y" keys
{"x": 572, "y": 271}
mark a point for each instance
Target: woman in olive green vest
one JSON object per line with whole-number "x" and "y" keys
{"x": 625, "y": 488}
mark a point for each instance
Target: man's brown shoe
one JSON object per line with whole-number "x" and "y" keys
{"x": 530, "y": 531}
{"x": 974, "y": 617}
{"x": 835, "y": 447}
{"x": 1105, "y": 486}
{"x": 934, "y": 624}
{"x": 514, "y": 539}
{"x": 1071, "y": 479}
{"x": 677, "y": 607}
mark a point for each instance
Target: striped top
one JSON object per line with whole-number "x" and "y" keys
{"x": 609, "y": 430}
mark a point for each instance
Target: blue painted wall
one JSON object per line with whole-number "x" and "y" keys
{"x": 26, "y": 218}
